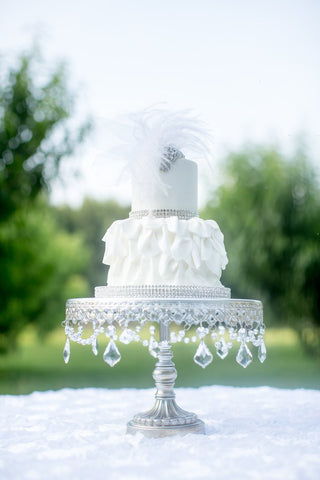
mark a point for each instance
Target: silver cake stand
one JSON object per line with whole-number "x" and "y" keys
{"x": 122, "y": 314}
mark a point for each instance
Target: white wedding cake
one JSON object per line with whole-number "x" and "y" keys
{"x": 164, "y": 242}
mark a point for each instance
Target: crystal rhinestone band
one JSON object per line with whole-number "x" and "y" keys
{"x": 232, "y": 312}
{"x": 164, "y": 213}
{"x": 162, "y": 291}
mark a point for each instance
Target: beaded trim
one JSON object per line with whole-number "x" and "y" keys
{"x": 223, "y": 321}
{"x": 164, "y": 213}
{"x": 162, "y": 291}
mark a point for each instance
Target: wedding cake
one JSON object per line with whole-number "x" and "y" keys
{"x": 164, "y": 242}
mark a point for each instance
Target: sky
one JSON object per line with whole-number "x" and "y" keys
{"x": 250, "y": 69}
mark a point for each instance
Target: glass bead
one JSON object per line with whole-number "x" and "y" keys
{"x": 173, "y": 337}
{"x": 127, "y": 336}
{"x": 221, "y": 329}
{"x": 95, "y": 346}
{"x": 202, "y": 332}
{"x": 153, "y": 347}
{"x": 110, "y": 330}
{"x": 222, "y": 349}
{"x": 152, "y": 329}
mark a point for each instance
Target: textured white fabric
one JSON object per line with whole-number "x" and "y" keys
{"x": 252, "y": 433}
{"x": 165, "y": 251}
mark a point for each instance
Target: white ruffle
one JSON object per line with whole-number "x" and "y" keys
{"x": 165, "y": 251}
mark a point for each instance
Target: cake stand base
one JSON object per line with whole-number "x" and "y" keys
{"x": 156, "y": 432}
{"x": 166, "y": 418}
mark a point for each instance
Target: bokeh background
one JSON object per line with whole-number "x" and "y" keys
{"x": 251, "y": 70}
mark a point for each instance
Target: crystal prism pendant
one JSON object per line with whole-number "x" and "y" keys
{"x": 95, "y": 347}
{"x": 111, "y": 354}
{"x": 203, "y": 356}
{"x": 127, "y": 336}
{"x": 244, "y": 356}
{"x": 222, "y": 349}
{"x": 66, "y": 351}
{"x": 262, "y": 352}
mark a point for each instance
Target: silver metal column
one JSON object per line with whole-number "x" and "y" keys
{"x": 166, "y": 417}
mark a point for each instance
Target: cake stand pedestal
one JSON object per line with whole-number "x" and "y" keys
{"x": 166, "y": 417}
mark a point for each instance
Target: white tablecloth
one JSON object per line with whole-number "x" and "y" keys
{"x": 251, "y": 433}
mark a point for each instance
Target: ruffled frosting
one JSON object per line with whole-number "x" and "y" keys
{"x": 165, "y": 251}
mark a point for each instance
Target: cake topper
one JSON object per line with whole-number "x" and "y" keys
{"x": 149, "y": 142}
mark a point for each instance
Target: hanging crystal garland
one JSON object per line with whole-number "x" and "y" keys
{"x": 122, "y": 323}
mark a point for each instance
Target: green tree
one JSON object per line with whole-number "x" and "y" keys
{"x": 92, "y": 219}
{"x": 34, "y": 133}
{"x": 39, "y": 264}
{"x": 269, "y": 210}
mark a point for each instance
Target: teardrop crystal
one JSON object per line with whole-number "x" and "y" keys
{"x": 111, "y": 354}
{"x": 244, "y": 356}
{"x": 95, "y": 347}
{"x": 262, "y": 352}
{"x": 222, "y": 349}
{"x": 203, "y": 356}
{"x": 66, "y": 351}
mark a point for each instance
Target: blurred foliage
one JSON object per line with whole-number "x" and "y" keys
{"x": 268, "y": 208}
{"x": 92, "y": 219}
{"x": 36, "y": 261}
{"x": 34, "y": 134}
{"x": 36, "y": 258}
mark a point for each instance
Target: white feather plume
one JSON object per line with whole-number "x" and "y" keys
{"x": 142, "y": 139}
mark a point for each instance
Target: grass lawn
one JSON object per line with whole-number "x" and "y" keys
{"x": 38, "y": 365}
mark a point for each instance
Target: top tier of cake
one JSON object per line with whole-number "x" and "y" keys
{"x": 180, "y": 192}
